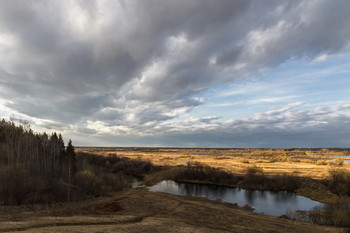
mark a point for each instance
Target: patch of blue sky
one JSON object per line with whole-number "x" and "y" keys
{"x": 319, "y": 83}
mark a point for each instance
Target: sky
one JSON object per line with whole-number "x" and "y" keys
{"x": 179, "y": 73}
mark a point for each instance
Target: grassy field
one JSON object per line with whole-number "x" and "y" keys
{"x": 273, "y": 161}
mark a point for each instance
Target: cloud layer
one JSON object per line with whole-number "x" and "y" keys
{"x": 136, "y": 67}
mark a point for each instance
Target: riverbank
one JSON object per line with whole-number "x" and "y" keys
{"x": 310, "y": 188}
{"x": 273, "y": 162}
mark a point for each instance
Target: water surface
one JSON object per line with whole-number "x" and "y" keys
{"x": 266, "y": 202}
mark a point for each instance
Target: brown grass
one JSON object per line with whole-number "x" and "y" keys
{"x": 272, "y": 161}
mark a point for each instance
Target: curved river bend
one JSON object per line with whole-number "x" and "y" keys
{"x": 266, "y": 202}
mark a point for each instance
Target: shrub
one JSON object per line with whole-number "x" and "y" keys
{"x": 199, "y": 172}
{"x": 337, "y": 214}
{"x": 89, "y": 182}
{"x": 97, "y": 185}
{"x": 339, "y": 182}
{"x": 245, "y": 161}
{"x": 113, "y": 163}
{"x": 286, "y": 182}
{"x": 273, "y": 160}
{"x": 254, "y": 178}
{"x": 338, "y": 162}
{"x": 253, "y": 171}
{"x": 321, "y": 162}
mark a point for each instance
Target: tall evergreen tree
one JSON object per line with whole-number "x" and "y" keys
{"x": 70, "y": 151}
{"x": 72, "y": 168}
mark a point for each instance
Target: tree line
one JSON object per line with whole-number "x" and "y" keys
{"x": 39, "y": 168}
{"x": 34, "y": 167}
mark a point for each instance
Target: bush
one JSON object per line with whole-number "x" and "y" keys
{"x": 113, "y": 163}
{"x": 89, "y": 182}
{"x": 133, "y": 167}
{"x": 321, "y": 162}
{"x": 273, "y": 160}
{"x": 286, "y": 182}
{"x": 253, "y": 171}
{"x": 196, "y": 171}
{"x": 337, "y": 214}
{"x": 254, "y": 178}
{"x": 338, "y": 162}
{"x": 98, "y": 185}
{"x": 339, "y": 182}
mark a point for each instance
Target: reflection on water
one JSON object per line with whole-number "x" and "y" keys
{"x": 267, "y": 202}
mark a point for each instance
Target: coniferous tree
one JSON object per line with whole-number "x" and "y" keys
{"x": 71, "y": 166}
{"x": 70, "y": 151}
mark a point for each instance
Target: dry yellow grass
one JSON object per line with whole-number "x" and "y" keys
{"x": 272, "y": 161}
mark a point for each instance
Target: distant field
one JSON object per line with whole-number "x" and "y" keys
{"x": 305, "y": 162}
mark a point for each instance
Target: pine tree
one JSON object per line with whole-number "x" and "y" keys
{"x": 72, "y": 168}
{"x": 71, "y": 157}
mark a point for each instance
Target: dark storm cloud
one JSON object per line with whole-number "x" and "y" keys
{"x": 140, "y": 62}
